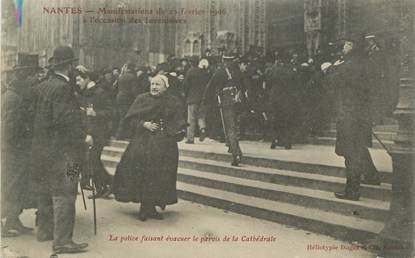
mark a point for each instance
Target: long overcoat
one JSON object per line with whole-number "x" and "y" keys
{"x": 354, "y": 123}
{"x": 58, "y": 140}
{"x": 16, "y": 121}
{"x": 147, "y": 171}
{"x": 194, "y": 84}
{"x": 283, "y": 99}
{"x": 98, "y": 126}
{"x": 127, "y": 91}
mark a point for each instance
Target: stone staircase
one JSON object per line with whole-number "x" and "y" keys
{"x": 291, "y": 187}
{"x": 385, "y": 133}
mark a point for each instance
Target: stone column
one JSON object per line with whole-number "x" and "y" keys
{"x": 398, "y": 235}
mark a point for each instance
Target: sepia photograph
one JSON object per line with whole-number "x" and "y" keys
{"x": 207, "y": 128}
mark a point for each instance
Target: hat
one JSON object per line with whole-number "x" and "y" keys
{"x": 228, "y": 55}
{"x": 194, "y": 60}
{"x": 130, "y": 65}
{"x": 163, "y": 67}
{"x": 63, "y": 55}
{"x": 27, "y": 61}
{"x": 244, "y": 60}
{"x": 228, "y": 58}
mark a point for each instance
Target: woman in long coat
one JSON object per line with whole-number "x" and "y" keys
{"x": 147, "y": 172}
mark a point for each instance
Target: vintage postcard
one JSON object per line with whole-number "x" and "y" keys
{"x": 207, "y": 128}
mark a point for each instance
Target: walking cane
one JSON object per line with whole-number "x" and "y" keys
{"x": 381, "y": 143}
{"x": 222, "y": 118}
{"x": 83, "y": 195}
{"x": 93, "y": 189}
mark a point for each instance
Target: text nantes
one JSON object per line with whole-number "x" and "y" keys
{"x": 62, "y": 10}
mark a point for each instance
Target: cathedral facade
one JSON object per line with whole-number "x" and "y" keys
{"x": 305, "y": 25}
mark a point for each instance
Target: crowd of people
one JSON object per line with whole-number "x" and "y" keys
{"x": 62, "y": 118}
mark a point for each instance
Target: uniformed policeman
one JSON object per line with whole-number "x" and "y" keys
{"x": 228, "y": 87}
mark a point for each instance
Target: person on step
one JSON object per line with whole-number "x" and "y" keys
{"x": 228, "y": 87}
{"x": 147, "y": 171}
{"x": 354, "y": 124}
{"x": 282, "y": 103}
{"x": 127, "y": 89}
{"x": 195, "y": 83}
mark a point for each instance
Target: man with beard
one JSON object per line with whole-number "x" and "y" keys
{"x": 57, "y": 153}
{"x": 17, "y": 119}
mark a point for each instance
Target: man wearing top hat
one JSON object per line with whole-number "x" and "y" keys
{"x": 57, "y": 152}
{"x": 16, "y": 120}
{"x": 228, "y": 86}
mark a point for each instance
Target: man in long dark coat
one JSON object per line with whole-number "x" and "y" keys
{"x": 282, "y": 104}
{"x": 17, "y": 119}
{"x": 57, "y": 154}
{"x": 376, "y": 78}
{"x": 354, "y": 124}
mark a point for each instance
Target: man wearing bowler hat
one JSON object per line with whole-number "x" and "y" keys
{"x": 228, "y": 85}
{"x": 16, "y": 121}
{"x": 58, "y": 147}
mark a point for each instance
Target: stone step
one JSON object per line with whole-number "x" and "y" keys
{"x": 275, "y": 176}
{"x": 387, "y": 136}
{"x": 365, "y": 208}
{"x": 389, "y": 126}
{"x": 347, "y": 228}
{"x": 283, "y": 191}
{"x": 267, "y": 162}
{"x": 332, "y": 141}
